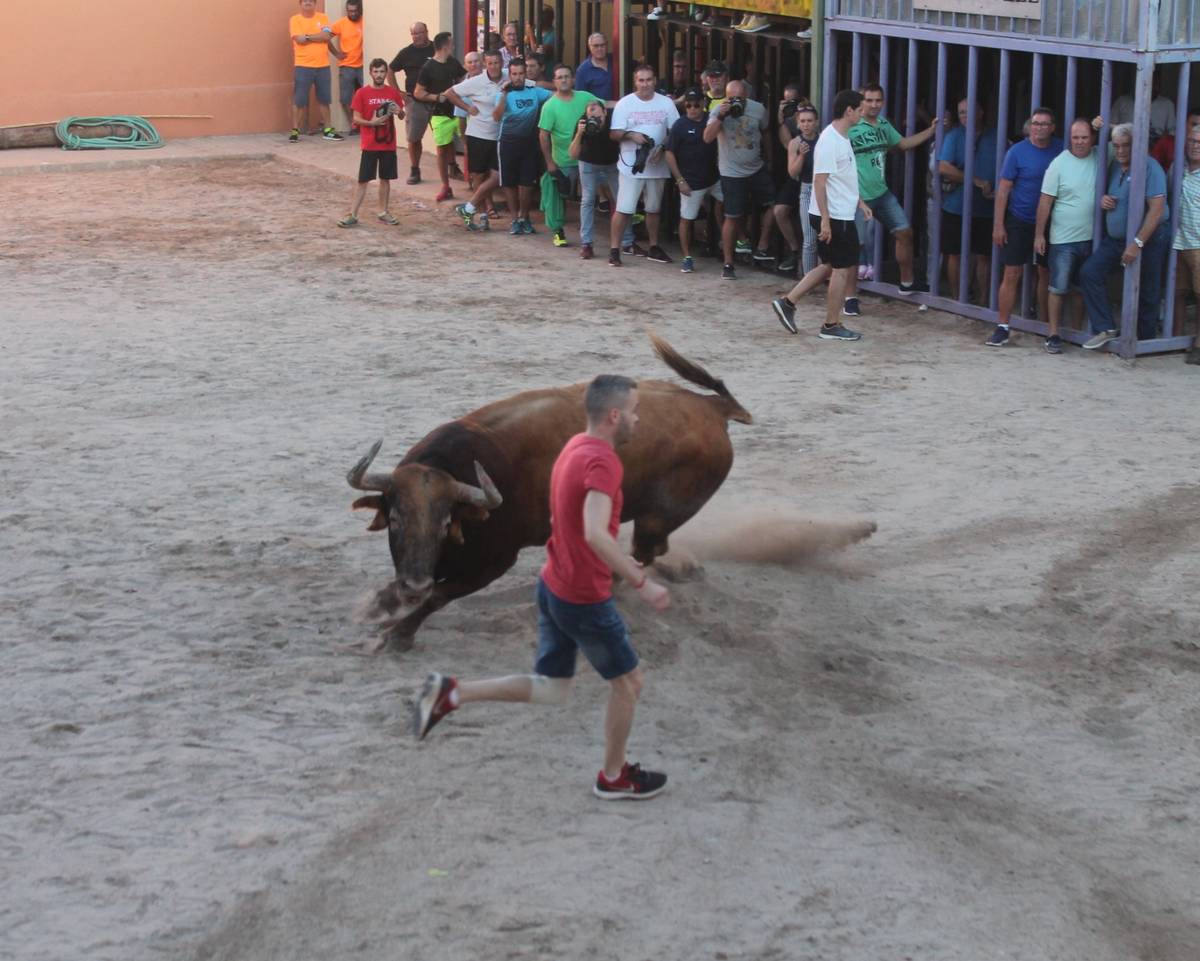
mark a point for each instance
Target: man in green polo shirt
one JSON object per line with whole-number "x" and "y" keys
{"x": 872, "y": 138}
{"x": 557, "y": 127}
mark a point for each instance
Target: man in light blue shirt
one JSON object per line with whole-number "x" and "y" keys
{"x": 1148, "y": 252}
{"x": 952, "y": 162}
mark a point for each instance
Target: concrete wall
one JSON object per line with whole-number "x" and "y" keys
{"x": 228, "y": 58}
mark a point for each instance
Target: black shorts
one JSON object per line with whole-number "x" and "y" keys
{"x": 788, "y": 194}
{"x": 519, "y": 162}
{"x": 1019, "y": 250}
{"x": 842, "y": 249}
{"x": 481, "y": 155}
{"x": 743, "y": 194}
{"x": 981, "y": 235}
{"x": 381, "y": 163}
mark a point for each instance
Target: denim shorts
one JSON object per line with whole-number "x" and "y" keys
{"x": 564, "y": 629}
{"x": 1064, "y": 261}
{"x": 889, "y": 214}
{"x": 745, "y": 194}
{"x": 304, "y": 79}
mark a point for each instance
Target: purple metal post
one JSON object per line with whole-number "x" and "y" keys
{"x": 1028, "y": 280}
{"x": 856, "y": 61}
{"x": 1072, "y": 82}
{"x": 934, "y": 261}
{"x": 965, "y": 260}
{"x": 910, "y": 121}
{"x": 1001, "y": 150}
{"x": 828, "y": 72}
{"x": 1178, "y": 165}
{"x": 1127, "y": 345}
{"x": 1102, "y": 148}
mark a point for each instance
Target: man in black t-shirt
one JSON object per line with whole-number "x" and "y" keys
{"x": 693, "y": 165}
{"x": 437, "y": 75}
{"x": 597, "y": 154}
{"x": 416, "y": 120}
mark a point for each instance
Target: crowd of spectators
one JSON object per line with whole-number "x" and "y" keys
{"x": 702, "y": 143}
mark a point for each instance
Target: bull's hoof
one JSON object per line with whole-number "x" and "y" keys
{"x": 678, "y": 566}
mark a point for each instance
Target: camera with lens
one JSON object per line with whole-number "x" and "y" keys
{"x": 642, "y": 155}
{"x": 737, "y": 106}
{"x": 592, "y": 126}
{"x": 789, "y": 108}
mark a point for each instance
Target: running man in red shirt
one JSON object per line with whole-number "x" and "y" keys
{"x": 574, "y": 596}
{"x": 373, "y": 109}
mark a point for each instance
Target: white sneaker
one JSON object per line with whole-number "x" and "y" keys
{"x": 804, "y": 34}
{"x": 655, "y": 13}
{"x": 866, "y": 272}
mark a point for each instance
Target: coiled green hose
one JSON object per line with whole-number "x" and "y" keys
{"x": 141, "y": 136}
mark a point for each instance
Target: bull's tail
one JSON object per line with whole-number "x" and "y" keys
{"x": 699, "y": 376}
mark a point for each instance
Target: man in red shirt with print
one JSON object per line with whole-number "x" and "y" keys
{"x": 373, "y": 108}
{"x": 574, "y": 596}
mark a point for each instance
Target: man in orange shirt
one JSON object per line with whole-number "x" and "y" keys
{"x": 309, "y": 30}
{"x": 347, "y": 46}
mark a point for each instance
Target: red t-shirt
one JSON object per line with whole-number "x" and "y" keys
{"x": 573, "y": 571}
{"x": 367, "y": 101}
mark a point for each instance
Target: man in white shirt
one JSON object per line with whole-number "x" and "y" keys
{"x": 835, "y": 200}
{"x": 640, "y": 119}
{"x": 478, "y": 96}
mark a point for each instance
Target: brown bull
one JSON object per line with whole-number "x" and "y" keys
{"x": 450, "y": 537}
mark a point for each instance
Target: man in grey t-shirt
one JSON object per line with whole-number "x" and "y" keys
{"x": 737, "y": 125}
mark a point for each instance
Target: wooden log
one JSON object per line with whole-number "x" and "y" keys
{"x": 44, "y": 136}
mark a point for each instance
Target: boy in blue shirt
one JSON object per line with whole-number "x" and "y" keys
{"x": 1014, "y": 227}
{"x": 517, "y": 111}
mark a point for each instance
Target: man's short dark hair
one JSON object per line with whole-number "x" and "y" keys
{"x": 492, "y": 53}
{"x": 355, "y": 3}
{"x": 606, "y": 392}
{"x": 872, "y": 87}
{"x": 442, "y": 40}
{"x": 377, "y": 62}
{"x": 516, "y": 62}
{"x": 846, "y": 100}
{"x": 1045, "y": 111}
{"x": 535, "y": 57}
{"x": 643, "y": 67}
{"x": 564, "y": 66}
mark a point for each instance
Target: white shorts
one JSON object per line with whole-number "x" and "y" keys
{"x": 690, "y": 205}
{"x": 650, "y": 190}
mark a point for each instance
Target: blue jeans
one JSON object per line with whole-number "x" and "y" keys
{"x": 1093, "y": 278}
{"x": 1065, "y": 262}
{"x": 596, "y": 629}
{"x": 590, "y": 177}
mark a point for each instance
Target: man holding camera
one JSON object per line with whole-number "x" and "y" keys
{"x": 517, "y": 112}
{"x": 737, "y": 125}
{"x": 641, "y": 121}
{"x": 597, "y": 155}
{"x": 372, "y": 110}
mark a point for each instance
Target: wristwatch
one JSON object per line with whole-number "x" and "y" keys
{"x": 1141, "y": 243}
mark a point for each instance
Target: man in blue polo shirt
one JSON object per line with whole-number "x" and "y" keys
{"x": 952, "y": 162}
{"x": 594, "y": 75}
{"x": 1148, "y": 250}
{"x": 1014, "y": 227}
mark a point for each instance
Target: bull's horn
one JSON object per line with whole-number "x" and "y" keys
{"x": 485, "y": 495}
{"x": 359, "y": 479}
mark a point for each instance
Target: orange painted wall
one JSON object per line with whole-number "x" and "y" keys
{"x": 228, "y": 58}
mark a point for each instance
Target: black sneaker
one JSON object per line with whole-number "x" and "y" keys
{"x": 850, "y": 308}
{"x": 614, "y": 257}
{"x": 763, "y": 256}
{"x": 330, "y": 134}
{"x": 838, "y": 332}
{"x": 727, "y": 272}
{"x": 414, "y": 176}
{"x": 999, "y": 337}
{"x": 603, "y": 207}
{"x": 788, "y": 264}
{"x": 434, "y": 703}
{"x": 1053, "y": 344}
{"x": 658, "y": 255}
{"x": 634, "y": 250}
{"x": 916, "y": 287}
{"x": 634, "y": 784}
{"x": 785, "y": 310}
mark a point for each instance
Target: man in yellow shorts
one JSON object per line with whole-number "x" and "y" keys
{"x": 438, "y": 74}
{"x": 310, "y": 33}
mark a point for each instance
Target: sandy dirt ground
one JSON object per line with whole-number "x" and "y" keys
{"x": 970, "y": 737}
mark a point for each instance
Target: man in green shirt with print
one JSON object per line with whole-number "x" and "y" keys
{"x": 872, "y": 138}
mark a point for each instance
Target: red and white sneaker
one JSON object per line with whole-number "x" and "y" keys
{"x": 438, "y": 698}
{"x": 634, "y": 784}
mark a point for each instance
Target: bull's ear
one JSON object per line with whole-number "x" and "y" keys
{"x": 471, "y": 513}
{"x": 374, "y": 502}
